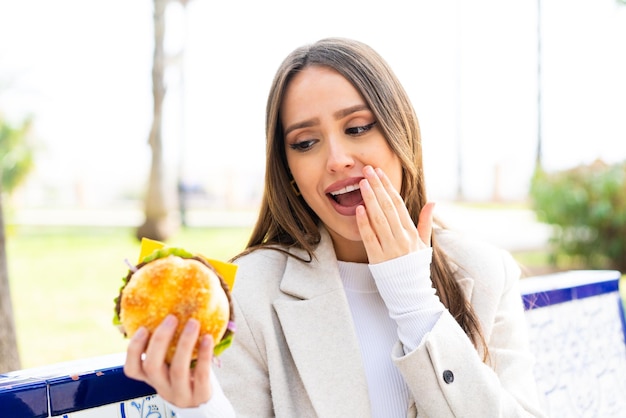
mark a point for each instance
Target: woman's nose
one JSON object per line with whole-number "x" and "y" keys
{"x": 340, "y": 156}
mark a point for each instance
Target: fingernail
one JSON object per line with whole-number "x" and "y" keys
{"x": 369, "y": 171}
{"x": 140, "y": 334}
{"x": 206, "y": 340}
{"x": 170, "y": 321}
{"x": 191, "y": 326}
{"x": 380, "y": 172}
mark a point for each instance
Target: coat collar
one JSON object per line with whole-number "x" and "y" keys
{"x": 318, "y": 327}
{"x": 465, "y": 282}
{"x": 447, "y": 245}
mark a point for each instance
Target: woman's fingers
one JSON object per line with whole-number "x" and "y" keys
{"x": 425, "y": 223}
{"x": 154, "y": 365}
{"x": 177, "y": 382}
{"x": 385, "y": 224}
{"x": 133, "y": 367}
{"x": 387, "y": 230}
{"x": 400, "y": 207}
{"x": 370, "y": 240}
{"x": 202, "y": 371}
{"x": 381, "y": 210}
{"x": 181, "y": 362}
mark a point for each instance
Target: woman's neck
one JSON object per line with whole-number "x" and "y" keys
{"x": 347, "y": 250}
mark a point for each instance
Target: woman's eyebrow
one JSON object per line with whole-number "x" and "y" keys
{"x": 300, "y": 125}
{"x": 349, "y": 110}
{"x": 342, "y": 113}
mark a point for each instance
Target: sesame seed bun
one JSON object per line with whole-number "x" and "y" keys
{"x": 184, "y": 287}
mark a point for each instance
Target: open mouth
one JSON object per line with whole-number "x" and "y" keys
{"x": 346, "y": 199}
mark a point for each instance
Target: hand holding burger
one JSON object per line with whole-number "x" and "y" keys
{"x": 174, "y": 281}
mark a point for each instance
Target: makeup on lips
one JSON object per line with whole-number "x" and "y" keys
{"x": 345, "y": 196}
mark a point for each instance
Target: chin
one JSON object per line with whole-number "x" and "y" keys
{"x": 345, "y": 233}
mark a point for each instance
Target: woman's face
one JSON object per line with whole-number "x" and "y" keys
{"x": 330, "y": 135}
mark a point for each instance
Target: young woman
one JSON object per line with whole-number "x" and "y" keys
{"x": 349, "y": 301}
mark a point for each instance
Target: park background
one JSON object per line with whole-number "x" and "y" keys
{"x": 487, "y": 79}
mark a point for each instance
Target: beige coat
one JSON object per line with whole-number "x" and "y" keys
{"x": 296, "y": 353}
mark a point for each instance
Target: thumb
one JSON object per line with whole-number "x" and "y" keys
{"x": 425, "y": 223}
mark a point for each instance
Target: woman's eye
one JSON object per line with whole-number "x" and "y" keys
{"x": 359, "y": 130}
{"x": 302, "y": 145}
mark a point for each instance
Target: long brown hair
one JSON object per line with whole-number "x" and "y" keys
{"x": 285, "y": 220}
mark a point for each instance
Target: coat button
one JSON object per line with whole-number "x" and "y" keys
{"x": 448, "y": 376}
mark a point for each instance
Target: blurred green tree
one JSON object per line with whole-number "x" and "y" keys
{"x": 587, "y": 206}
{"x": 16, "y": 153}
{"x": 16, "y": 161}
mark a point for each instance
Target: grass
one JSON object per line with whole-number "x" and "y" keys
{"x": 64, "y": 279}
{"x": 536, "y": 262}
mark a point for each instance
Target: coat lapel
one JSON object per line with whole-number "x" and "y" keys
{"x": 465, "y": 282}
{"x": 317, "y": 325}
{"x": 467, "y": 286}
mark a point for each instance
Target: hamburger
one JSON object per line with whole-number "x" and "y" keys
{"x": 174, "y": 281}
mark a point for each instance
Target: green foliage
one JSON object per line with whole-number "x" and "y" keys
{"x": 16, "y": 154}
{"x": 64, "y": 279}
{"x": 587, "y": 206}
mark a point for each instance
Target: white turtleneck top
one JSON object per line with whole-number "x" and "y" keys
{"x": 390, "y": 301}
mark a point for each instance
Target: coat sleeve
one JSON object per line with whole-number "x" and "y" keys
{"x": 447, "y": 376}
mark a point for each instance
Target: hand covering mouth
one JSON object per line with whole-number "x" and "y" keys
{"x": 347, "y": 196}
